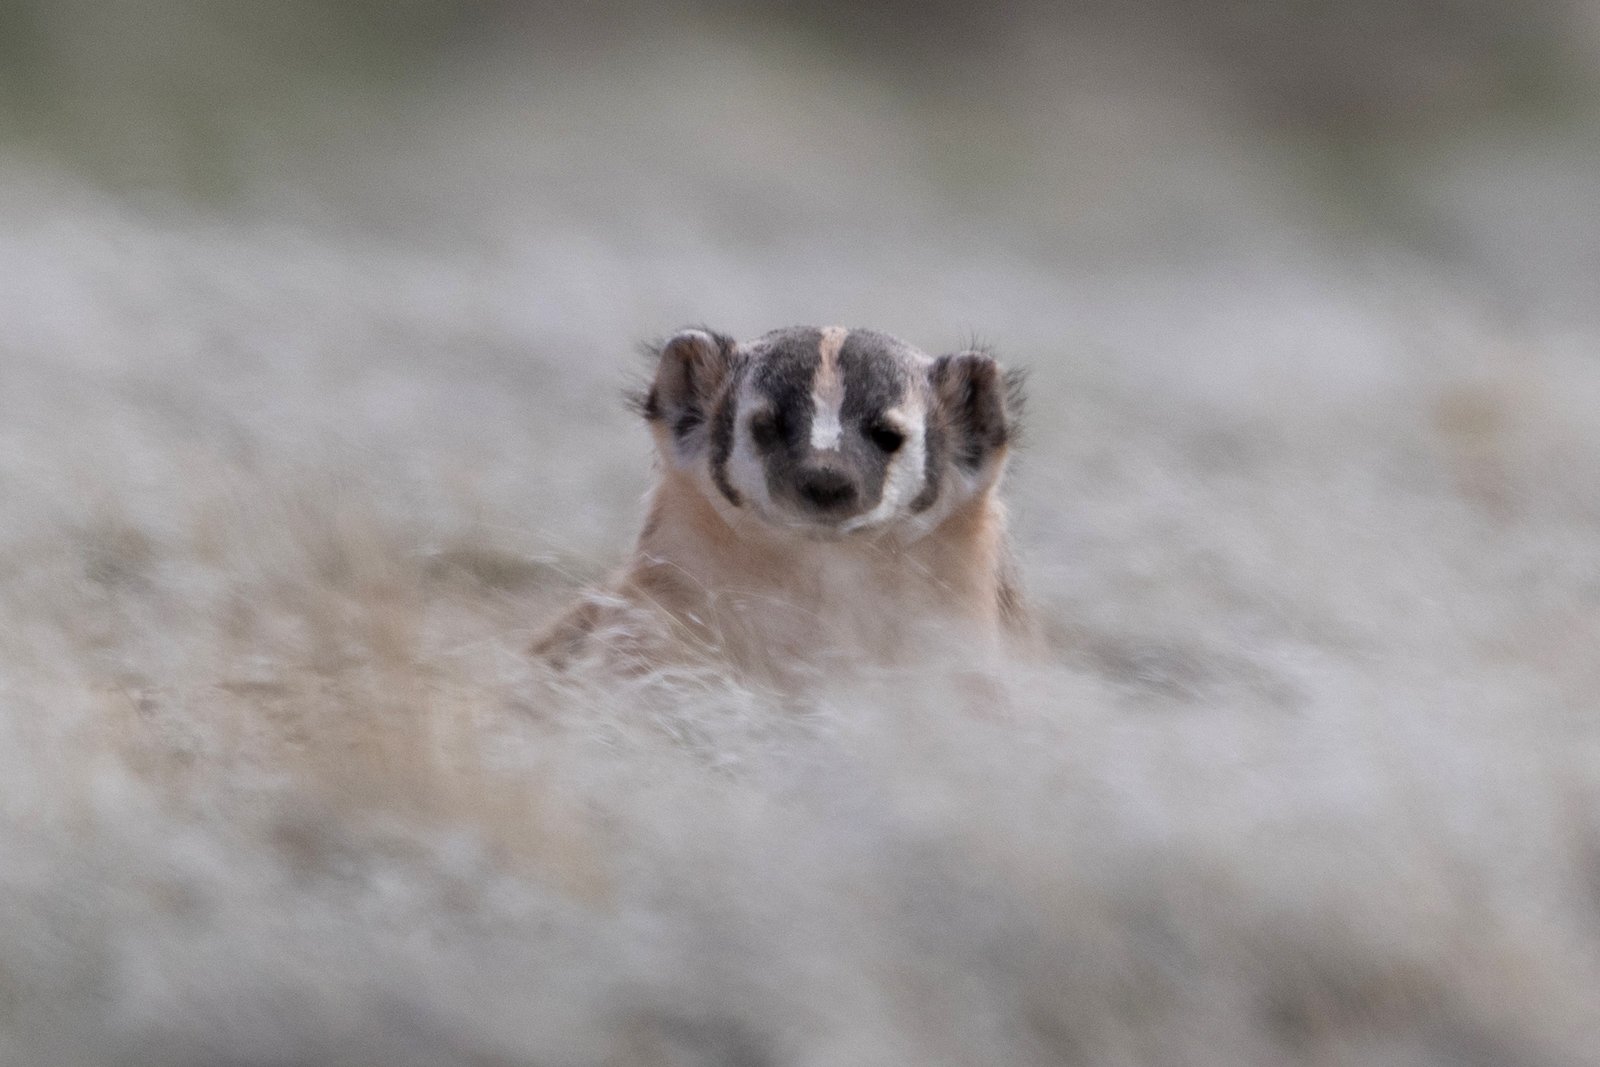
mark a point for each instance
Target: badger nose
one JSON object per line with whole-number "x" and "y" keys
{"x": 827, "y": 489}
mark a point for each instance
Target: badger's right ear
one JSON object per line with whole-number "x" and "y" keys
{"x": 692, "y": 368}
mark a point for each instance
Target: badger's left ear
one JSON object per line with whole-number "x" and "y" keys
{"x": 977, "y": 405}
{"x": 692, "y": 368}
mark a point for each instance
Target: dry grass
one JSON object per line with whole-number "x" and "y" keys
{"x": 1314, "y": 779}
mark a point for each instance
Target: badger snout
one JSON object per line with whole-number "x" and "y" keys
{"x": 827, "y": 489}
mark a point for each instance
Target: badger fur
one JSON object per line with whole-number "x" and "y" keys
{"x": 826, "y": 496}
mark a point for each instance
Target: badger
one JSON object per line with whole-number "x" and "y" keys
{"x": 825, "y": 496}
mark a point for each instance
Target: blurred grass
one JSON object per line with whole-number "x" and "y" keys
{"x": 174, "y": 93}
{"x": 185, "y": 94}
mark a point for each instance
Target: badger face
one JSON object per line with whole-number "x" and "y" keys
{"x": 831, "y": 433}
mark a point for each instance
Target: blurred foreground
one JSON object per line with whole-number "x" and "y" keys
{"x": 311, "y": 343}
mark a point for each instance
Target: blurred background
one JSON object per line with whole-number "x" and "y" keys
{"x": 314, "y": 322}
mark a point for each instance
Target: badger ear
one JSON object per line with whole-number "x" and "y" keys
{"x": 691, "y": 369}
{"x": 977, "y": 404}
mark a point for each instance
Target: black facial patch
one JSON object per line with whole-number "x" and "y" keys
{"x": 875, "y": 378}
{"x": 887, "y": 439}
{"x": 783, "y": 369}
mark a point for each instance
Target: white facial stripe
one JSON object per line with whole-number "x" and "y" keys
{"x": 827, "y": 392}
{"x": 828, "y": 348}
{"x": 826, "y": 429}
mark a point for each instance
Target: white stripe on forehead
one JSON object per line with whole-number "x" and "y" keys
{"x": 827, "y": 391}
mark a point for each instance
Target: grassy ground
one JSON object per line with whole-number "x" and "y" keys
{"x": 293, "y": 463}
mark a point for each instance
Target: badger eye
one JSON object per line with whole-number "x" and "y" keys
{"x": 765, "y": 428}
{"x": 886, "y": 437}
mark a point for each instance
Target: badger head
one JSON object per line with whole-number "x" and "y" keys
{"x": 831, "y": 433}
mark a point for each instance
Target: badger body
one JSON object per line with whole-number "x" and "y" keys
{"x": 826, "y": 497}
